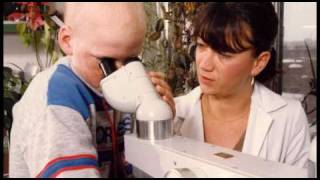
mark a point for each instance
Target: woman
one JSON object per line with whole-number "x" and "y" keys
{"x": 231, "y": 108}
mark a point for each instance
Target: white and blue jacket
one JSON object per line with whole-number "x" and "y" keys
{"x": 57, "y": 128}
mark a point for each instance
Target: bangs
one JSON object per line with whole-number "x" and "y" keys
{"x": 224, "y": 31}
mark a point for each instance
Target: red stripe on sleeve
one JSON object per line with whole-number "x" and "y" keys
{"x": 73, "y": 168}
{"x": 65, "y": 158}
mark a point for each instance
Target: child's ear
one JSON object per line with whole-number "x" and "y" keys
{"x": 64, "y": 39}
{"x": 260, "y": 63}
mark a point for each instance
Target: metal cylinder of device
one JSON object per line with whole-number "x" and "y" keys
{"x": 154, "y": 130}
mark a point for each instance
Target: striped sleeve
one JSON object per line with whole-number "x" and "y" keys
{"x": 68, "y": 163}
{"x": 62, "y": 146}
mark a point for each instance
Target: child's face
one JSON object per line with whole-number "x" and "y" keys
{"x": 115, "y": 45}
{"x": 115, "y": 36}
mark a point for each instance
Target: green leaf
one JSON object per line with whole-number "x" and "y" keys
{"x": 21, "y": 28}
{"x": 55, "y": 57}
{"x": 159, "y": 25}
{"x": 23, "y": 87}
{"x": 27, "y": 39}
{"x": 7, "y": 94}
{"x": 155, "y": 36}
{"x": 23, "y": 34}
{"x": 46, "y": 36}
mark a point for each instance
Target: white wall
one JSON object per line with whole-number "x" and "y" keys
{"x": 14, "y": 51}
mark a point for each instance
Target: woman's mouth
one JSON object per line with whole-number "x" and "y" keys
{"x": 205, "y": 80}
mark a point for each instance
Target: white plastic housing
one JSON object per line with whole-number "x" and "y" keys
{"x": 167, "y": 157}
{"x": 129, "y": 89}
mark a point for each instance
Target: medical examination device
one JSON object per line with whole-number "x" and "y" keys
{"x": 129, "y": 89}
{"x": 155, "y": 150}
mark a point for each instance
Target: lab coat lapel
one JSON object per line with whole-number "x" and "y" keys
{"x": 260, "y": 120}
{"x": 190, "y": 111}
{"x": 199, "y": 133}
{"x": 258, "y": 126}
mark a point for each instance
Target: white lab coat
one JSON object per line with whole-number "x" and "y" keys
{"x": 277, "y": 127}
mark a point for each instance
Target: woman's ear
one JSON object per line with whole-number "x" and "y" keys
{"x": 260, "y": 63}
{"x": 64, "y": 39}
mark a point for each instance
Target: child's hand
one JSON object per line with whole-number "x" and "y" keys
{"x": 163, "y": 88}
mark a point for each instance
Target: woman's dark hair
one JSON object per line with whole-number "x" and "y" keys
{"x": 236, "y": 27}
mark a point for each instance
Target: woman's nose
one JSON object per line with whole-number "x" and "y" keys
{"x": 206, "y": 60}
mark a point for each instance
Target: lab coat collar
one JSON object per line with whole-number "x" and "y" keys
{"x": 267, "y": 99}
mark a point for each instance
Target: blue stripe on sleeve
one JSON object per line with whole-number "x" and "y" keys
{"x": 54, "y": 168}
{"x": 66, "y": 89}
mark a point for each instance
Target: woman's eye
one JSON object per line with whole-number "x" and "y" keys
{"x": 226, "y": 55}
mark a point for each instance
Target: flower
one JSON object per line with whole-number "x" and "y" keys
{"x": 38, "y": 30}
{"x": 34, "y": 17}
{"x": 16, "y": 16}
